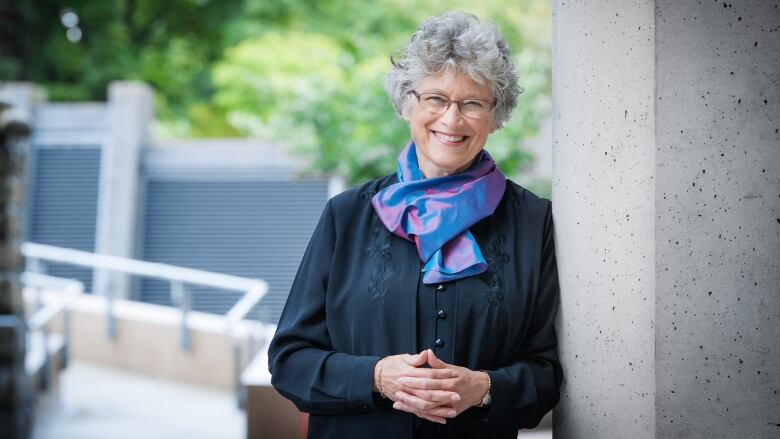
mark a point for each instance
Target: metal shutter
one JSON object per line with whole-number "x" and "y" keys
{"x": 245, "y": 227}
{"x": 63, "y": 198}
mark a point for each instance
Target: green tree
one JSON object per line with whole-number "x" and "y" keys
{"x": 304, "y": 72}
{"x": 314, "y": 81}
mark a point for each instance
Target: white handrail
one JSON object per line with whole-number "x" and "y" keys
{"x": 71, "y": 288}
{"x": 254, "y": 289}
{"x": 141, "y": 268}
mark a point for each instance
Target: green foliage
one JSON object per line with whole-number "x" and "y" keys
{"x": 306, "y": 73}
{"x": 313, "y": 80}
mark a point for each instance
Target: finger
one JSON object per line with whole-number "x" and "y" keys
{"x": 438, "y": 374}
{"x": 417, "y": 360}
{"x": 432, "y": 418}
{"x": 427, "y": 383}
{"x": 438, "y": 412}
{"x": 441, "y": 412}
{"x": 403, "y": 407}
{"x": 434, "y": 361}
{"x": 434, "y": 395}
{"x": 414, "y": 401}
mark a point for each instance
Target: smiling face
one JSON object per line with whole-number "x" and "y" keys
{"x": 447, "y": 143}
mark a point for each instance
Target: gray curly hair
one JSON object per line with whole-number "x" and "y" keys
{"x": 460, "y": 40}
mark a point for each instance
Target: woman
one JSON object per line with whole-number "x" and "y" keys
{"x": 424, "y": 304}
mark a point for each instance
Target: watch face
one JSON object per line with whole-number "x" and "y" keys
{"x": 487, "y": 399}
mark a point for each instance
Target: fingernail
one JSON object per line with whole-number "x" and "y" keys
{"x": 452, "y": 414}
{"x": 455, "y": 397}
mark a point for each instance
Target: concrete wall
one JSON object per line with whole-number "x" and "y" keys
{"x": 665, "y": 195}
{"x": 130, "y": 114}
{"x": 717, "y": 228}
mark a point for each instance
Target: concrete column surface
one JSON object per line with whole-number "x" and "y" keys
{"x": 666, "y": 197}
{"x": 603, "y": 155}
{"x": 130, "y": 113}
{"x": 717, "y": 227}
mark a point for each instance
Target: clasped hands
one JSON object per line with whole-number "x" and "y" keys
{"x": 436, "y": 393}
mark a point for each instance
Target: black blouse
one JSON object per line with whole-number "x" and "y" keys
{"x": 359, "y": 296}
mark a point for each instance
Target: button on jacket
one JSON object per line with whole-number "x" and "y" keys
{"x": 356, "y": 298}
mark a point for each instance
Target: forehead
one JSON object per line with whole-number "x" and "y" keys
{"x": 455, "y": 84}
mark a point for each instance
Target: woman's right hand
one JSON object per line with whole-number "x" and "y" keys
{"x": 436, "y": 406}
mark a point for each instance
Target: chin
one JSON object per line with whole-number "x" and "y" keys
{"x": 450, "y": 166}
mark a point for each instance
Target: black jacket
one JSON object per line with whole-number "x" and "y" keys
{"x": 354, "y": 301}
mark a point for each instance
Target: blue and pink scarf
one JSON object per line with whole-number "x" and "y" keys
{"x": 436, "y": 213}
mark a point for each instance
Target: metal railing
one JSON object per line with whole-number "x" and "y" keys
{"x": 38, "y": 255}
{"x": 42, "y": 315}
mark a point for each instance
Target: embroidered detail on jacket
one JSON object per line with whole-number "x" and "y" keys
{"x": 497, "y": 258}
{"x": 379, "y": 253}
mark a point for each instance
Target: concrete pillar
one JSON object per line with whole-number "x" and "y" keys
{"x": 665, "y": 195}
{"x": 718, "y": 219}
{"x": 603, "y": 155}
{"x": 130, "y": 113}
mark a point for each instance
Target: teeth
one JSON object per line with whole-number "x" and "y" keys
{"x": 447, "y": 138}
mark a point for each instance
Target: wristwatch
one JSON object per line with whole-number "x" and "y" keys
{"x": 487, "y": 398}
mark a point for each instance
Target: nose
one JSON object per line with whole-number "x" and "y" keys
{"x": 451, "y": 116}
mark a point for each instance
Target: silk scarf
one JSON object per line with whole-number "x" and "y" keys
{"x": 436, "y": 213}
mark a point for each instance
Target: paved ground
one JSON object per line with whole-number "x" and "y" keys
{"x": 97, "y": 403}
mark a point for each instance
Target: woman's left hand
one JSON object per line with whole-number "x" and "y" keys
{"x": 416, "y": 394}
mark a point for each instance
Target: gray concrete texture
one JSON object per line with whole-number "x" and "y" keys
{"x": 666, "y": 196}
{"x": 603, "y": 155}
{"x": 718, "y": 226}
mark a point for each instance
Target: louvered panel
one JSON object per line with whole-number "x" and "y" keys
{"x": 63, "y": 202}
{"x": 249, "y": 228}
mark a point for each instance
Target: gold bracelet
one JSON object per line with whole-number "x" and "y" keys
{"x": 486, "y": 398}
{"x": 381, "y": 365}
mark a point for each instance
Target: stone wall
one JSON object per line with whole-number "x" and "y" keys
{"x": 16, "y": 399}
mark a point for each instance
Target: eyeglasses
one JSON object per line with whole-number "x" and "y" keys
{"x": 439, "y": 104}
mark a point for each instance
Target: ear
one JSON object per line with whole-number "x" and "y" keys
{"x": 493, "y": 126}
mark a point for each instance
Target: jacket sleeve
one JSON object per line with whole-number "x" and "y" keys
{"x": 524, "y": 391}
{"x": 304, "y": 367}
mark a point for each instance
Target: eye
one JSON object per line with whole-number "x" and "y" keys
{"x": 473, "y": 105}
{"x": 436, "y": 99}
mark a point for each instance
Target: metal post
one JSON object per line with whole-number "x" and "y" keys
{"x": 181, "y": 297}
{"x": 35, "y": 265}
{"x": 250, "y": 347}
{"x": 45, "y": 372}
{"x": 37, "y": 299}
{"x": 66, "y": 336}
{"x": 237, "y": 387}
{"x": 110, "y": 318}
